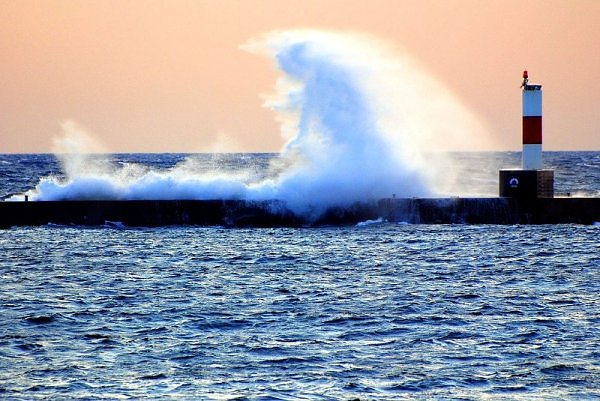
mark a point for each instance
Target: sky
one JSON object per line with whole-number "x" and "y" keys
{"x": 171, "y": 76}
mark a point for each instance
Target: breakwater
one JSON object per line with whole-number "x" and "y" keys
{"x": 273, "y": 213}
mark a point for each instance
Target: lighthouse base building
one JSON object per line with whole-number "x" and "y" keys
{"x": 531, "y": 181}
{"x": 527, "y": 183}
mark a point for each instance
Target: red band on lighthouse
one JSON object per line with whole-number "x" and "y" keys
{"x": 532, "y": 130}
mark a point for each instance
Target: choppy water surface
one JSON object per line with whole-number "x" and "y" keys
{"x": 374, "y": 312}
{"x": 378, "y": 312}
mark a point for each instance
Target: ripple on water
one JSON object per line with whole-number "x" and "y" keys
{"x": 384, "y": 312}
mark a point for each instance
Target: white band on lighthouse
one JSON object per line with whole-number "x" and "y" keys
{"x": 532, "y": 127}
{"x": 532, "y": 156}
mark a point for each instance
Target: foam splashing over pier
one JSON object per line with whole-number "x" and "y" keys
{"x": 362, "y": 121}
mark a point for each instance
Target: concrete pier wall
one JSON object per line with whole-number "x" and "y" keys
{"x": 237, "y": 213}
{"x": 492, "y": 210}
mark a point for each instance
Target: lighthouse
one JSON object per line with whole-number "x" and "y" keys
{"x": 532, "y": 180}
{"x": 532, "y": 125}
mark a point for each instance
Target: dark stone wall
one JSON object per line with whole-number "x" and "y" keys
{"x": 237, "y": 213}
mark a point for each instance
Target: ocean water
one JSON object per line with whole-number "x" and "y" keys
{"x": 371, "y": 312}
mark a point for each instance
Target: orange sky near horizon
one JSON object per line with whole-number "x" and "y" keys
{"x": 169, "y": 76}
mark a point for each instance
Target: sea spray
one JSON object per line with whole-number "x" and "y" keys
{"x": 79, "y": 152}
{"x": 338, "y": 154}
{"x": 360, "y": 120}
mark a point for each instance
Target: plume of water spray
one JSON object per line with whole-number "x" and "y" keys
{"x": 365, "y": 120}
{"x": 77, "y": 150}
{"x": 360, "y": 120}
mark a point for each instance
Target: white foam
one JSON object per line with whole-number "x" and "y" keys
{"x": 359, "y": 118}
{"x": 370, "y": 222}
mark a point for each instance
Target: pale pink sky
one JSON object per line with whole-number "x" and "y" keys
{"x": 169, "y": 76}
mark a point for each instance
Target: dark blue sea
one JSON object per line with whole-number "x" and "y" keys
{"x": 370, "y": 312}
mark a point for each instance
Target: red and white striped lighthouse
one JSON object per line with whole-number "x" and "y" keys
{"x": 531, "y": 181}
{"x": 532, "y": 125}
